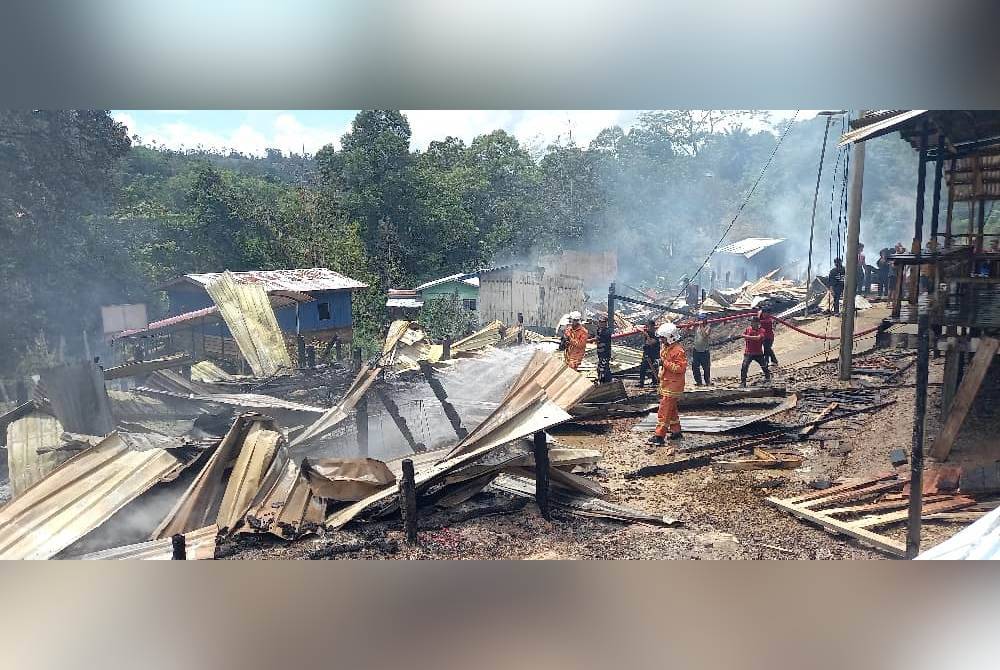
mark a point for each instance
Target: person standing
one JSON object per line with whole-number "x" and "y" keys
{"x": 753, "y": 351}
{"x": 836, "y": 281}
{"x": 674, "y": 365}
{"x": 575, "y": 341}
{"x": 884, "y": 267}
{"x": 700, "y": 356}
{"x": 767, "y": 327}
{"x": 650, "y": 355}
{"x": 603, "y": 340}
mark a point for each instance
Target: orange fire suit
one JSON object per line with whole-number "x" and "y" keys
{"x": 673, "y": 366}
{"x": 576, "y": 345}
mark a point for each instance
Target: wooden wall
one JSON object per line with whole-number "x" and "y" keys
{"x": 542, "y": 297}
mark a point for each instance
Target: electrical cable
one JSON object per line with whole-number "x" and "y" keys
{"x": 739, "y": 211}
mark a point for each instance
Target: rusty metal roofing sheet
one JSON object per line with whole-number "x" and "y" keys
{"x": 79, "y": 496}
{"x": 302, "y": 280}
{"x": 537, "y": 414}
{"x": 213, "y": 497}
{"x": 200, "y": 546}
{"x": 25, "y": 436}
{"x": 288, "y": 509}
{"x": 251, "y": 320}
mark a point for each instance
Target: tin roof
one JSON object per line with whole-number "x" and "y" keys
{"x": 749, "y": 247}
{"x": 301, "y": 280}
{"x": 468, "y": 278}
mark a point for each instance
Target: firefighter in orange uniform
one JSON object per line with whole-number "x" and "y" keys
{"x": 575, "y": 341}
{"x": 673, "y": 366}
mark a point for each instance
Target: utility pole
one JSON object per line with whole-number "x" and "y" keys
{"x": 853, "y": 235}
{"x": 812, "y": 223}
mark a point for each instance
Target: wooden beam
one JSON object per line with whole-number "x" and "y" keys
{"x": 852, "y": 485}
{"x": 862, "y": 535}
{"x": 933, "y": 508}
{"x": 808, "y": 430}
{"x": 964, "y": 398}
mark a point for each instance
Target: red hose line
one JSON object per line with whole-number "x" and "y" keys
{"x": 743, "y": 315}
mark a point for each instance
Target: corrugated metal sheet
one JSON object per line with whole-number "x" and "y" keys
{"x": 487, "y": 336}
{"x": 536, "y": 414}
{"x": 979, "y": 541}
{"x": 200, "y": 546}
{"x": 213, "y": 497}
{"x": 884, "y": 125}
{"x": 289, "y": 509}
{"x": 136, "y": 369}
{"x": 749, "y": 247}
{"x": 398, "y": 330}
{"x": 243, "y": 400}
{"x": 412, "y": 303}
{"x": 24, "y": 438}
{"x": 467, "y": 278}
{"x": 251, "y": 320}
{"x": 79, "y": 496}
{"x": 78, "y": 398}
{"x": 210, "y": 373}
{"x": 178, "y": 320}
{"x": 303, "y": 280}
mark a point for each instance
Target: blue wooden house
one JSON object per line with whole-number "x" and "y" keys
{"x": 326, "y": 315}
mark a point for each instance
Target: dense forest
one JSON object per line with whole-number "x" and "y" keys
{"x": 89, "y": 216}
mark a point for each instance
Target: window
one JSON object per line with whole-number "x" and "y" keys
{"x": 324, "y": 311}
{"x": 469, "y": 304}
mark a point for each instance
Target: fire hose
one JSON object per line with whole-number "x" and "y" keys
{"x": 743, "y": 315}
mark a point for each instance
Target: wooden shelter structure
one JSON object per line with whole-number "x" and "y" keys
{"x": 949, "y": 281}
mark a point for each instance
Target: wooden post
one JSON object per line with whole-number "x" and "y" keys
{"x": 357, "y": 358}
{"x": 951, "y": 210}
{"x": 446, "y": 349}
{"x": 408, "y": 501}
{"x": 21, "y": 391}
{"x": 938, "y": 171}
{"x": 964, "y": 397}
{"x": 311, "y": 356}
{"x": 179, "y": 546}
{"x": 361, "y": 421}
{"x": 982, "y": 227}
{"x": 520, "y": 328}
{"x": 340, "y": 352}
{"x": 611, "y": 307}
{"x": 851, "y": 280}
{"x": 542, "y": 475}
{"x": 917, "y": 447}
{"x": 300, "y": 350}
{"x": 918, "y": 222}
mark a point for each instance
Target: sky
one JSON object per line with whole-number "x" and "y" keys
{"x": 251, "y": 132}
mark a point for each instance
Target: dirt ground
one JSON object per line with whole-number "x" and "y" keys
{"x": 722, "y": 515}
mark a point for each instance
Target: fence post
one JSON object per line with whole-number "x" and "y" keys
{"x": 179, "y": 545}
{"x": 542, "y": 475}
{"x": 408, "y": 501}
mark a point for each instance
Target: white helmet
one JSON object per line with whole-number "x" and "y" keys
{"x": 575, "y": 316}
{"x": 669, "y": 332}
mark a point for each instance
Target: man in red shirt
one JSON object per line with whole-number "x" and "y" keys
{"x": 753, "y": 350}
{"x": 767, "y": 326}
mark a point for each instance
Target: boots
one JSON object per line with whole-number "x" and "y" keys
{"x": 676, "y": 436}
{"x": 656, "y": 441}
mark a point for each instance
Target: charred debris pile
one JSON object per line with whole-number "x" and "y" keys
{"x": 193, "y": 457}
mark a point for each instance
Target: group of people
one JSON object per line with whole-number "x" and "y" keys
{"x": 665, "y": 361}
